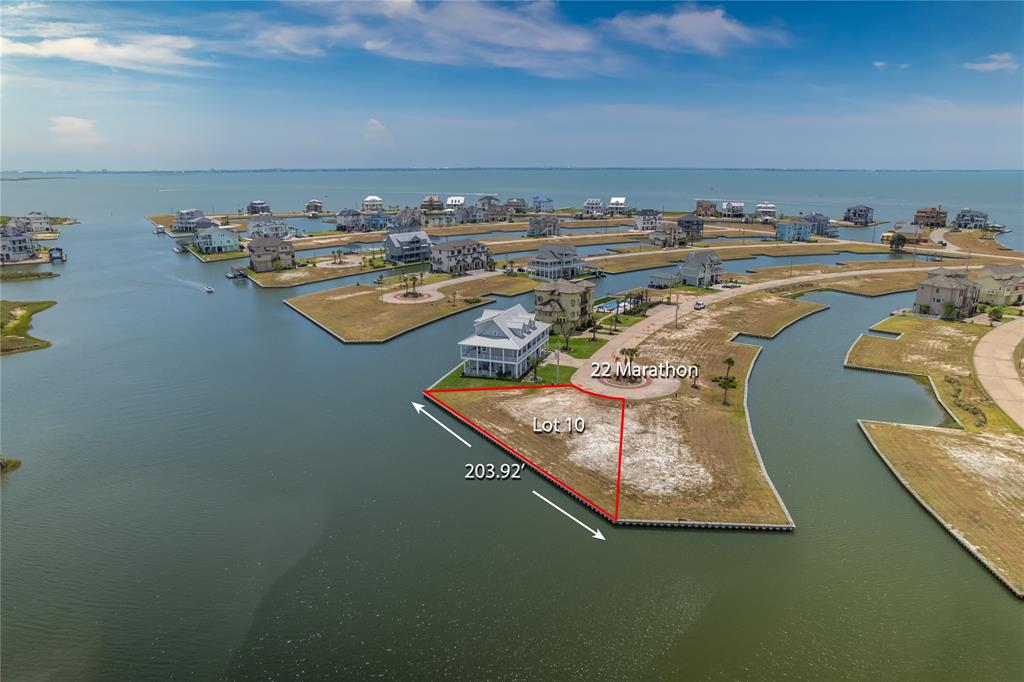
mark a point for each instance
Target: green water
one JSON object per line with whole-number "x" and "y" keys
{"x": 212, "y": 487}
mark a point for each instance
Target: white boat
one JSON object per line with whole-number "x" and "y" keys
{"x": 208, "y": 290}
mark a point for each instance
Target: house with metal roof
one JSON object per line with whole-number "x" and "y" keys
{"x": 503, "y": 343}
{"x": 543, "y": 204}
{"x": 372, "y": 203}
{"x": 407, "y": 247}
{"x": 556, "y": 261}
{"x": 971, "y": 219}
{"x": 267, "y": 254}
{"x": 647, "y": 219}
{"x": 617, "y": 206}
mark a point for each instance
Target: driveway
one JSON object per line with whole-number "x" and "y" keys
{"x": 993, "y": 363}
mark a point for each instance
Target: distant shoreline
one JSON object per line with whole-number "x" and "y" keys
{"x": 5, "y": 175}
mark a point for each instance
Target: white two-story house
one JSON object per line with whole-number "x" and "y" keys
{"x": 502, "y": 343}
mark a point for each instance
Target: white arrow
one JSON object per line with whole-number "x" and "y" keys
{"x": 595, "y": 533}
{"x": 421, "y": 410}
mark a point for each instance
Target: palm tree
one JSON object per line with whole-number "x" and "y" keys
{"x": 594, "y": 329}
{"x": 534, "y": 364}
{"x": 729, "y": 362}
{"x": 726, "y": 383}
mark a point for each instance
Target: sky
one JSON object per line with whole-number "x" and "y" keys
{"x": 149, "y": 85}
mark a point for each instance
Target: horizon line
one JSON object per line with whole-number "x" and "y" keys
{"x": 506, "y": 168}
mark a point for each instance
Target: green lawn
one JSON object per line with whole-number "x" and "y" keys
{"x": 581, "y": 347}
{"x": 17, "y": 318}
{"x": 9, "y": 275}
{"x": 213, "y": 257}
{"x": 546, "y": 373}
{"x": 624, "y": 321}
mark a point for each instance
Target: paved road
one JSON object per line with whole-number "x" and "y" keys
{"x": 663, "y": 315}
{"x": 993, "y": 363}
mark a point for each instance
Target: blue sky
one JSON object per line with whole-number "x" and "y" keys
{"x": 313, "y": 85}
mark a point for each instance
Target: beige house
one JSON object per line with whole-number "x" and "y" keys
{"x": 458, "y": 256}
{"x": 1001, "y": 284}
{"x": 563, "y": 304}
{"x": 944, "y": 289}
{"x": 267, "y": 254}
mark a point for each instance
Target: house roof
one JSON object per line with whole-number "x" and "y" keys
{"x": 564, "y": 286}
{"x": 514, "y": 328}
{"x": 212, "y": 229}
{"x": 263, "y": 242}
{"x": 541, "y": 197}
{"x": 648, "y": 212}
{"x": 860, "y": 207}
{"x": 373, "y": 197}
{"x": 946, "y": 282}
{"x": 617, "y": 200}
{"x": 555, "y": 252}
{"x": 456, "y": 243}
{"x": 399, "y": 238}
{"x": 1010, "y": 271}
{"x": 702, "y": 258}
{"x": 348, "y": 211}
{"x": 689, "y": 218}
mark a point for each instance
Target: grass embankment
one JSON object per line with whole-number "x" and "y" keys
{"x": 943, "y": 351}
{"x": 971, "y": 479}
{"x": 973, "y": 482}
{"x": 581, "y": 347}
{"x": 356, "y": 313}
{"x": 663, "y": 258}
{"x": 54, "y": 220}
{"x": 709, "y": 453}
{"x": 17, "y": 319}
{"x": 8, "y": 274}
{"x": 215, "y": 257}
{"x": 9, "y": 464}
{"x": 546, "y": 376}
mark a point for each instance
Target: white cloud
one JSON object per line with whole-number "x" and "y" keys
{"x": 376, "y": 132}
{"x": 152, "y": 53}
{"x": 74, "y": 130}
{"x": 1000, "y": 61}
{"x": 880, "y": 65}
{"x": 690, "y": 28}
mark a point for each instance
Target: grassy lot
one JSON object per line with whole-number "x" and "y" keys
{"x": 355, "y": 313}
{"x": 499, "y": 245}
{"x": 17, "y": 319}
{"x": 944, "y": 351}
{"x": 980, "y": 241}
{"x": 624, "y": 320}
{"x": 9, "y": 274}
{"x": 973, "y": 481}
{"x": 8, "y": 464}
{"x": 297, "y": 276}
{"x": 215, "y": 257}
{"x": 581, "y": 347}
{"x": 586, "y": 462}
{"x": 662, "y": 258}
{"x": 546, "y": 375}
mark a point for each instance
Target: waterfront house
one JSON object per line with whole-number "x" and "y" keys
{"x": 705, "y": 208}
{"x": 543, "y": 226}
{"x": 257, "y": 207}
{"x": 732, "y": 209}
{"x": 503, "y": 343}
{"x": 1001, "y": 284}
{"x": 701, "y": 269}
{"x": 821, "y": 225}
{"x": 617, "y": 206}
{"x": 914, "y": 234}
{"x": 860, "y": 215}
{"x": 488, "y": 201}
{"x": 314, "y": 206}
{"x": 556, "y": 261}
{"x": 593, "y": 207}
{"x": 793, "y": 230}
{"x": 16, "y": 245}
{"x": 189, "y": 220}
{"x": 516, "y": 205}
{"x": 267, "y": 254}
{"x": 933, "y": 216}
{"x": 971, "y": 219}
{"x": 455, "y": 203}
{"x": 34, "y": 221}
{"x": 445, "y": 218}
{"x": 267, "y": 225}
{"x": 431, "y": 202}
{"x": 408, "y": 220}
{"x": 766, "y": 212}
{"x": 946, "y": 293}
{"x": 493, "y": 210}
{"x": 407, "y": 247}
{"x": 458, "y": 256}
{"x": 565, "y": 305}
{"x": 692, "y": 227}
{"x": 543, "y": 204}
{"x": 216, "y": 239}
{"x": 668, "y": 235}
{"x": 372, "y": 204}
{"x": 470, "y": 214}
{"x": 349, "y": 220}
{"x": 647, "y": 219}
{"x": 378, "y": 220}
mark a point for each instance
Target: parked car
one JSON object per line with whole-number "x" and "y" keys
{"x": 699, "y": 305}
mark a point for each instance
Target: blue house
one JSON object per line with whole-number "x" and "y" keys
{"x": 378, "y": 220}
{"x": 543, "y": 204}
{"x": 794, "y": 230}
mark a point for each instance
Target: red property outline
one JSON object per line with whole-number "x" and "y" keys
{"x": 431, "y": 394}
